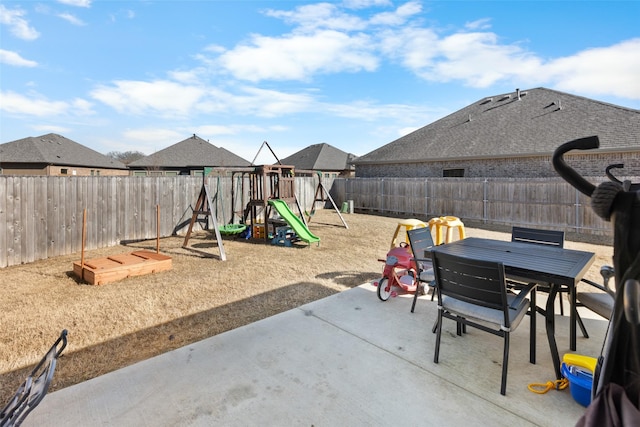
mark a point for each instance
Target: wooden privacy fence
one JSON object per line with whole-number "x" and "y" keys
{"x": 544, "y": 203}
{"x": 41, "y": 216}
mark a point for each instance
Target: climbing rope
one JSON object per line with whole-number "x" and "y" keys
{"x": 541, "y": 388}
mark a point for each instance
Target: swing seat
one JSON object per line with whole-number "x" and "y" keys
{"x": 230, "y": 229}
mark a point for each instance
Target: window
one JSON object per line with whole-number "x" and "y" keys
{"x": 64, "y": 171}
{"x": 453, "y": 173}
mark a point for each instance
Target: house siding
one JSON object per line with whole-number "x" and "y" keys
{"x": 57, "y": 170}
{"x": 515, "y": 167}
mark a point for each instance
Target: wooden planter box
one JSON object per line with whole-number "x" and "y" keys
{"x": 99, "y": 271}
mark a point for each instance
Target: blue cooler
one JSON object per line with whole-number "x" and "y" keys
{"x": 579, "y": 371}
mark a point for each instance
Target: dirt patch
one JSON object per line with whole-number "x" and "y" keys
{"x": 117, "y": 324}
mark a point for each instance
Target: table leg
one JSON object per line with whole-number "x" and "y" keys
{"x": 572, "y": 317}
{"x": 550, "y": 323}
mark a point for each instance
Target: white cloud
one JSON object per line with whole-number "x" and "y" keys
{"x": 153, "y": 135}
{"x": 296, "y": 57}
{"x": 399, "y": 16}
{"x": 72, "y": 19}
{"x": 362, "y": 4}
{"x": 236, "y": 129}
{"x": 82, "y": 107}
{"x": 311, "y": 17}
{"x": 18, "y": 26}
{"x": 271, "y": 103}
{"x": 475, "y": 58}
{"x": 60, "y": 130}
{"x": 407, "y": 130}
{"x": 13, "y": 58}
{"x": 478, "y": 60}
{"x": 38, "y": 106}
{"x": 146, "y": 140}
{"x": 78, "y": 3}
{"x": 371, "y": 111}
{"x": 159, "y": 97}
{"x": 15, "y": 103}
{"x": 612, "y": 70}
{"x": 416, "y": 47}
{"x": 479, "y": 24}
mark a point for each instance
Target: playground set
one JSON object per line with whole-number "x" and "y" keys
{"x": 267, "y": 215}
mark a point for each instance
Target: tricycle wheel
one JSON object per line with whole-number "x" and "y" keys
{"x": 384, "y": 289}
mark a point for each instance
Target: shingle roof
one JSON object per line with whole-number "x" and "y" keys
{"x": 534, "y": 123}
{"x": 192, "y": 152}
{"x": 54, "y": 149}
{"x": 320, "y": 157}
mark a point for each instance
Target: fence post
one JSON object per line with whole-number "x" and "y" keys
{"x": 426, "y": 197}
{"x": 485, "y": 186}
{"x": 382, "y": 195}
{"x": 577, "y": 208}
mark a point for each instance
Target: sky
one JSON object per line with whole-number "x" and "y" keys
{"x": 355, "y": 74}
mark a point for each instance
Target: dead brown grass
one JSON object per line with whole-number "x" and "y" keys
{"x": 117, "y": 324}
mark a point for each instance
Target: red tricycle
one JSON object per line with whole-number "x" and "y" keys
{"x": 399, "y": 271}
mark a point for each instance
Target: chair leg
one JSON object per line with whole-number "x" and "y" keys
{"x": 581, "y": 324}
{"x": 438, "y": 325}
{"x": 415, "y": 299}
{"x": 505, "y": 363}
{"x": 532, "y": 327}
{"x": 578, "y": 318}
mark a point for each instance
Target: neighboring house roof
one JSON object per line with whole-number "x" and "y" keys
{"x": 522, "y": 123}
{"x": 193, "y": 152}
{"x": 53, "y": 149}
{"x": 320, "y": 157}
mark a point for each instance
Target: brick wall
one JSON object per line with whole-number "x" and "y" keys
{"x": 522, "y": 167}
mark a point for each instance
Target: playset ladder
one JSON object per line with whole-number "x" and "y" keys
{"x": 204, "y": 207}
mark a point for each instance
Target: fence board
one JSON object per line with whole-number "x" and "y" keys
{"x": 4, "y": 231}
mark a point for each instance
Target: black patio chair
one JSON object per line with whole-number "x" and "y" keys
{"x": 420, "y": 240}
{"x": 35, "y": 386}
{"x": 553, "y": 238}
{"x": 600, "y": 301}
{"x": 474, "y": 293}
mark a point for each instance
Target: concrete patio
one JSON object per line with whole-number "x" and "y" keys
{"x": 348, "y": 359}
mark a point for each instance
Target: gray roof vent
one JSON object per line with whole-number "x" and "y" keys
{"x": 505, "y": 97}
{"x": 486, "y": 101}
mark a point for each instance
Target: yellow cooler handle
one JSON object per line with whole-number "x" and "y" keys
{"x": 586, "y": 362}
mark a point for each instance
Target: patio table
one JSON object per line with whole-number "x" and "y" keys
{"x": 534, "y": 263}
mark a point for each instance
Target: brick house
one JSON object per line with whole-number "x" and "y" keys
{"x": 512, "y": 135}
{"x": 55, "y": 155}
{"x": 329, "y": 160}
{"x": 189, "y": 157}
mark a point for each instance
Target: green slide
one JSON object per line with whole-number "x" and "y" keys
{"x": 296, "y": 223}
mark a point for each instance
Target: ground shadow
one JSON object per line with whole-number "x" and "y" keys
{"x": 90, "y": 362}
{"x": 349, "y": 278}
